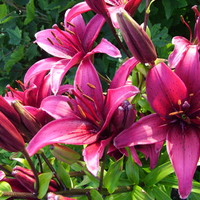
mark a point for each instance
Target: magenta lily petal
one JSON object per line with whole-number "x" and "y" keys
{"x": 86, "y": 75}
{"x": 92, "y": 31}
{"x": 105, "y": 47}
{"x": 166, "y": 90}
{"x": 181, "y": 45}
{"x": 123, "y": 72}
{"x": 92, "y": 153}
{"x": 43, "y": 65}
{"x": 147, "y": 130}
{"x": 72, "y": 131}
{"x": 183, "y": 149}
{"x": 115, "y": 97}
{"x": 59, "y": 70}
{"x": 62, "y": 47}
{"x": 58, "y": 107}
{"x": 77, "y": 9}
{"x": 188, "y": 69}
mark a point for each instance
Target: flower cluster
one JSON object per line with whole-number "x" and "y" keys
{"x": 103, "y": 120}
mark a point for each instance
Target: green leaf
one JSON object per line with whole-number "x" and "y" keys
{"x": 132, "y": 170}
{"x": 44, "y": 180}
{"x": 4, "y": 187}
{"x": 15, "y": 57}
{"x": 158, "y": 174}
{"x": 120, "y": 196}
{"x": 64, "y": 176}
{"x": 23, "y": 161}
{"x": 4, "y": 14}
{"x": 30, "y": 9}
{"x": 14, "y": 35}
{"x": 138, "y": 193}
{"x": 95, "y": 195}
{"x": 111, "y": 179}
{"x": 159, "y": 194}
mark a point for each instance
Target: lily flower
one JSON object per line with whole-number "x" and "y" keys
{"x": 85, "y": 120}
{"x": 176, "y": 121}
{"x": 106, "y": 8}
{"x": 69, "y": 46}
{"x": 183, "y": 45}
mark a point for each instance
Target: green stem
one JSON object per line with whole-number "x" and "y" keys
{"x": 53, "y": 170}
{"x": 31, "y": 164}
{"x": 102, "y": 168}
{"x": 104, "y": 191}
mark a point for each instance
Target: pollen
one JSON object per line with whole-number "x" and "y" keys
{"x": 176, "y": 113}
{"x": 81, "y": 111}
{"x": 70, "y": 105}
{"x": 79, "y": 89}
{"x": 71, "y": 24}
{"x": 88, "y": 97}
{"x": 91, "y": 85}
{"x": 50, "y": 41}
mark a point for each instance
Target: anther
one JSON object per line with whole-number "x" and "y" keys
{"x": 71, "y": 24}
{"x": 59, "y": 41}
{"x": 81, "y": 111}
{"x": 52, "y": 33}
{"x": 179, "y": 102}
{"x": 69, "y": 31}
{"x": 91, "y": 85}
{"x": 79, "y": 89}
{"x": 70, "y": 105}
{"x": 88, "y": 97}
{"x": 176, "y": 113}
{"x": 50, "y": 41}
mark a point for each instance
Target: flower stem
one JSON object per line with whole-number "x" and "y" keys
{"x": 102, "y": 168}
{"x": 53, "y": 170}
{"x": 24, "y": 152}
{"x": 116, "y": 37}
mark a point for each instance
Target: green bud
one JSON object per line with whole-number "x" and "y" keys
{"x": 64, "y": 153}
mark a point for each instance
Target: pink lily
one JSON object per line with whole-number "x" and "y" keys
{"x": 107, "y": 8}
{"x": 85, "y": 119}
{"x": 69, "y": 46}
{"x": 176, "y": 120}
{"x": 183, "y": 45}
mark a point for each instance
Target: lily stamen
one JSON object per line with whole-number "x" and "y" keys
{"x": 81, "y": 111}
{"x": 91, "y": 85}
{"x": 176, "y": 113}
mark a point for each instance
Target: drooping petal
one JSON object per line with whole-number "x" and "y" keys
{"x": 59, "y": 107}
{"x": 86, "y": 75}
{"x": 43, "y": 65}
{"x": 77, "y": 9}
{"x": 164, "y": 90}
{"x": 188, "y": 69}
{"x": 123, "y": 72}
{"x": 92, "y": 154}
{"x": 92, "y": 31}
{"x": 183, "y": 148}
{"x": 56, "y": 43}
{"x": 114, "y": 99}
{"x": 178, "y": 53}
{"x": 66, "y": 131}
{"x": 105, "y": 47}
{"x": 59, "y": 70}
{"x": 148, "y": 130}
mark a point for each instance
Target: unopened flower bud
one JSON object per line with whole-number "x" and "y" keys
{"x": 98, "y": 6}
{"x": 136, "y": 38}
{"x": 124, "y": 116}
{"x": 10, "y": 138}
{"x": 29, "y": 121}
{"x": 64, "y": 153}
{"x": 27, "y": 179}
